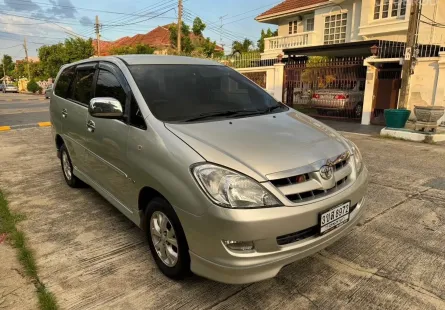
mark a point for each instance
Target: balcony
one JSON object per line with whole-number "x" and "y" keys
{"x": 278, "y": 44}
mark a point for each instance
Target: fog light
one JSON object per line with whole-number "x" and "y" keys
{"x": 239, "y": 245}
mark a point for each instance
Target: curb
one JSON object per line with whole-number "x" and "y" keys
{"x": 12, "y": 127}
{"x": 24, "y": 99}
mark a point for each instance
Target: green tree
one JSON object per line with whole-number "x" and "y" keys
{"x": 33, "y": 86}
{"x": 242, "y": 47}
{"x": 186, "y": 43}
{"x": 52, "y": 57}
{"x": 198, "y": 26}
{"x": 8, "y": 64}
{"x": 138, "y": 49}
{"x": 265, "y": 34}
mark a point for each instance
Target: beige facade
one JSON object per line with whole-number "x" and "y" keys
{"x": 359, "y": 20}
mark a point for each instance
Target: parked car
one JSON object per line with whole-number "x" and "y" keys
{"x": 9, "y": 88}
{"x": 48, "y": 91}
{"x": 224, "y": 180}
{"x": 346, "y": 98}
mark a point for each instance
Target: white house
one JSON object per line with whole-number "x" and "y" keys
{"x": 311, "y": 23}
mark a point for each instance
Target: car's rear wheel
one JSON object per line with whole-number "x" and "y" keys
{"x": 358, "y": 110}
{"x": 322, "y": 112}
{"x": 166, "y": 239}
{"x": 67, "y": 169}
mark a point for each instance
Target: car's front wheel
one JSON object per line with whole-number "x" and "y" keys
{"x": 67, "y": 168}
{"x": 166, "y": 239}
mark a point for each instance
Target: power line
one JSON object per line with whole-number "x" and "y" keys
{"x": 235, "y": 35}
{"x": 218, "y": 30}
{"x": 433, "y": 21}
{"x": 124, "y": 19}
{"x": 76, "y": 7}
{"x": 144, "y": 10}
{"x": 4, "y": 48}
{"x": 35, "y": 18}
{"x": 30, "y": 35}
{"x": 110, "y": 26}
{"x": 254, "y": 9}
{"x": 235, "y": 21}
{"x": 12, "y": 39}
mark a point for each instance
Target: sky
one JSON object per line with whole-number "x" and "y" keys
{"x": 52, "y": 21}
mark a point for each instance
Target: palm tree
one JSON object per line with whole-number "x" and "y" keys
{"x": 241, "y": 47}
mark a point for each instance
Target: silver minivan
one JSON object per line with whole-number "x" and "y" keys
{"x": 225, "y": 180}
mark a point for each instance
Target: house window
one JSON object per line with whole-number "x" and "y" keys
{"x": 310, "y": 24}
{"x": 389, "y": 8}
{"x": 403, "y": 8}
{"x": 335, "y": 28}
{"x": 293, "y": 27}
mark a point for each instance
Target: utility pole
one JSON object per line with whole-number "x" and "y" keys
{"x": 411, "y": 45}
{"x": 97, "y": 30}
{"x": 221, "y": 30}
{"x": 27, "y": 59}
{"x": 179, "y": 25}
{"x": 4, "y": 70}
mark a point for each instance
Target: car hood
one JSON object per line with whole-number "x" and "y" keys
{"x": 261, "y": 145}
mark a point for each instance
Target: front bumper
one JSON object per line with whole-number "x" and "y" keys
{"x": 211, "y": 259}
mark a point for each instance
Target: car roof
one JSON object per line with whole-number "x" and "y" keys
{"x": 153, "y": 60}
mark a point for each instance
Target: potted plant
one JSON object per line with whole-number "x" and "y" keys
{"x": 396, "y": 118}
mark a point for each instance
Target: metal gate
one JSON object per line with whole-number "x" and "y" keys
{"x": 386, "y": 93}
{"x": 331, "y": 88}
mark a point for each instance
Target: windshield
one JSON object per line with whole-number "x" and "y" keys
{"x": 180, "y": 93}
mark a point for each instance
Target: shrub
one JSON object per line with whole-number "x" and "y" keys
{"x": 33, "y": 86}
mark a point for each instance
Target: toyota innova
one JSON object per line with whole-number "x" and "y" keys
{"x": 225, "y": 180}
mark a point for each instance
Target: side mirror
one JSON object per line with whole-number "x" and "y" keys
{"x": 105, "y": 107}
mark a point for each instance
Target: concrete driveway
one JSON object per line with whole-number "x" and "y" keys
{"x": 92, "y": 257}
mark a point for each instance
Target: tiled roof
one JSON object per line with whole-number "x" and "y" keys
{"x": 158, "y": 37}
{"x": 288, "y": 5}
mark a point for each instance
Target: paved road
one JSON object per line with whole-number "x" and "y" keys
{"x": 23, "y": 110}
{"x": 91, "y": 257}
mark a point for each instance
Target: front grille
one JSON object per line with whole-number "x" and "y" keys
{"x": 316, "y": 193}
{"x": 303, "y": 234}
{"x": 314, "y": 190}
{"x": 289, "y": 181}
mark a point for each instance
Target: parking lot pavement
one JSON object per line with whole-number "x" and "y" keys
{"x": 91, "y": 256}
{"x": 20, "y": 110}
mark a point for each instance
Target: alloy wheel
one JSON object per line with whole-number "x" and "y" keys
{"x": 66, "y": 165}
{"x": 164, "y": 239}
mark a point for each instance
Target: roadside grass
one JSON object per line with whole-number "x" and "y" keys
{"x": 17, "y": 238}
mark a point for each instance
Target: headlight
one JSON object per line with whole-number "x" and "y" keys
{"x": 358, "y": 159}
{"x": 231, "y": 189}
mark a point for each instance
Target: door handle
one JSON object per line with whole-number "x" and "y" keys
{"x": 64, "y": 113}
{"x": 91, "y": 126}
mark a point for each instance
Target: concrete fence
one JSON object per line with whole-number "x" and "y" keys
{"x": 271, "y": 78}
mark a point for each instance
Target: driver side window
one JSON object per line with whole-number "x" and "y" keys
{"x": 108, "y": 86}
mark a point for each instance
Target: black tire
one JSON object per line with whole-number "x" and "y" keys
{"x": 181, "y": 269}
{"x": 71, "y": 180}
{"x": 358, "y": 110}
{"x": 322, "y": 112}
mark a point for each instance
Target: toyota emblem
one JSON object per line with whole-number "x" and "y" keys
{"x": 326, "y": 172}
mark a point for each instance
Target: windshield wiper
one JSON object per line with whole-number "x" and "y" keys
{"x": 223, "y": 113}
{"x": 272, "y": 108}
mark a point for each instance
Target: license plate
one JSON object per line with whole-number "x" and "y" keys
{"x": 334, "y": 217}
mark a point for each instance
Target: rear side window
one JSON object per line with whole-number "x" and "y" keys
{"x": 64, "y": 82}
{"x": 108, "y": 86}
{"x": 83, "y": 88}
